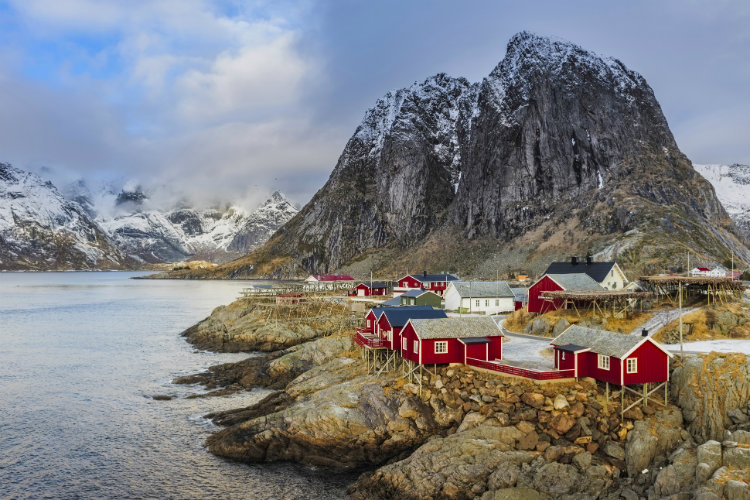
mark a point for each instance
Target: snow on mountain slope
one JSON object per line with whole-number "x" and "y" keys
{"x": 209, "y": 234}
{"x": 40, "y": 229}
{"x": 732, "y": 186}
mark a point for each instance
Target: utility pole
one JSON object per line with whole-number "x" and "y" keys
{"x": 688, "y": 264}
{"x": 682, "y": 356}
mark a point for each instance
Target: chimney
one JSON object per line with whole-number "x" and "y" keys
{"x": 644, "y": 333}
{"x": 425, "y": 273}
{"x": 574, "y": 260}
{"x": 589, "y": 259}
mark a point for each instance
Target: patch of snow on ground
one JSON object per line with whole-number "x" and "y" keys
{"x": 724, "y": 345}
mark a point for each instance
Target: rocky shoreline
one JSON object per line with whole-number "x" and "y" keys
{"x": 469, "y": 434}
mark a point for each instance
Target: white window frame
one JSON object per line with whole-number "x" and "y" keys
{"x": 416, "y": 347}
{"x": 562, "y": 355}
{"x": 602, "y": 362}
{"x": 369, "y": 323}
{"x": 443, "y": 347}
{"x": 390, "y": 335}
{"x": 497, "y": 302}
{"x": 404, "y": 345}
{"x": 476, "y": 303}
{"x": 486, "y": 302}
{"x": 634, "y": 365}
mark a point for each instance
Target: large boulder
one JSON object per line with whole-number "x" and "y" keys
{"x": 303, "y": 357}
{"x": 350, "y": 424}
{"x": 707, "y": 388}
{"x": 654, "y": 436}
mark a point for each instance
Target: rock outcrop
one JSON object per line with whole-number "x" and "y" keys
{"x": 709, "y": 389}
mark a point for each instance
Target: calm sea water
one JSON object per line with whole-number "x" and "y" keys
{"x": 81, "y": 355}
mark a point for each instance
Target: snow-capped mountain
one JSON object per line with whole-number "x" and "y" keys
{"x": 557, "y": 150}
{"x": 44, "y": 228}
{"x": 732, "y": 186}
{"x": 40, "y": 229}
{"x": 209, "y": 234}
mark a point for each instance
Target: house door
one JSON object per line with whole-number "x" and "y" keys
{"x": 361, "y": 292}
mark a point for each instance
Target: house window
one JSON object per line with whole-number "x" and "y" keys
{"x": 476, "y": 303}
{"x": 486, "y": 303}
{"x": 416, "y": 347}
{"x": 441, "y": 347}
{"x": 403, "y": 343}
{"x": 497, "y": 302}
{"x": 603, "y": 362}
{"x": 369, "y": 323}
{"x": 390, "y": 335}
{"x": 633, "y": 365}
{"x": 563, "y": 356}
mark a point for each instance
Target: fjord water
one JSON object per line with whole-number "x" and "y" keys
{"x": 81, "y": 357}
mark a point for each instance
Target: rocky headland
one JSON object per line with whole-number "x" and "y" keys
{"x": 467, "y": 434}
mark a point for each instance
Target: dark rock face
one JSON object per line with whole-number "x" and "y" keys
{"x": 552, "y": 127}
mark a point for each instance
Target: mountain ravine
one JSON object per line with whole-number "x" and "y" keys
{"x": 557, "y": 150}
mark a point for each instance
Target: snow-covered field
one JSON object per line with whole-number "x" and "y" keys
{"x": 724, "y": 345}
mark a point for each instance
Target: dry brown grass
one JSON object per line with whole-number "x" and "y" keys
{"x": 706, "y": 324}
{"x": 518, "y": 320}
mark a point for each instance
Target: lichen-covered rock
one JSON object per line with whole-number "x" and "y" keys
{"x": 654, "y": 436}
{"x": 679, "y": 476}
{"x": 303, "y": 357}
{"x": 707, "y": 388}
{"x": 347, "y": 425}
{"x": 456, "y": 467}
{"x": 710, "y": 453}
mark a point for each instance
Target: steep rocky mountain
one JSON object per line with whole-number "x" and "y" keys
{"x": 40, "y": 229}
{"x": 210, "y": 234}
{"x": 557, "y": 151}
{"x": 732, "y": 185}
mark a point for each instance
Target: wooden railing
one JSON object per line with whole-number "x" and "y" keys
{"x": 520, "y": 372}
{"x": 368, "y": 341}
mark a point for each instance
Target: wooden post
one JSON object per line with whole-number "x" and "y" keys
{"x": 666, "y": 388}
{"x": 645, "y": 395}
{"x": 606, "y": 391}
{"x": 622, "y": 402}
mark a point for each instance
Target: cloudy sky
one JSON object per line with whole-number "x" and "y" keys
{"x": 229, "y": 99}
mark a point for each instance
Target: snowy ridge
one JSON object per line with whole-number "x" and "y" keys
{"x": 211, "y": 234}
{"x": 732, "y": 186}
{"x": 40, "y": 229}
{"x": 529, "y": 53}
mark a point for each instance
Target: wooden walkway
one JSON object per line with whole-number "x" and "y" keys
{"x": 497, "y": 366}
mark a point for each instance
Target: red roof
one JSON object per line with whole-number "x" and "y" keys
{"x": 703, "y": 269}
{"x": 333, "y": 277}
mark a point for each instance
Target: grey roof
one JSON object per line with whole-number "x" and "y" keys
{"x": 599, "y": 341}
{"x": 394, "y": 302}
{"x": 455, "y": 328}
{"x": 375, "y": 284}
{"x": 571, "y": 347}
{"x": 399, "y": 316}
{"x": 483, "y": 289}
{"x": 434, "y": 277}
{"x": 521, "y": 294}
{"x": 597, "y": 270}
{"x": 476, "y": 340}
{"x": 417, "y": 293}
{"x": 575, "y": 281}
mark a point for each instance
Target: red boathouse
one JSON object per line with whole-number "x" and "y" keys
{"x": 451, "y": 340}
{"x": 555, "y": 282}
{"x": 611, "y": 357}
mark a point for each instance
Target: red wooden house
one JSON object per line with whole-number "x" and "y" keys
{"x": 289, "y": 299}
{"x": 436, "y": 283}
{"x": 451, "y": 340}
{"x": 611, "y": 357}
{"x": 371, "y": 320}
{"x": 393, "y": 319}
{"x": 368, "y": 288}
{"x": 554, "y": 282}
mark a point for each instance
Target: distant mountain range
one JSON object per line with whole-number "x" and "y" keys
{"x": 732, "y": 185}
{"x": 44, "y": 228}
{"x": 557, "y": 152}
